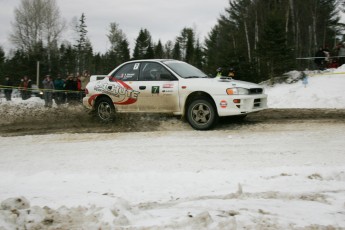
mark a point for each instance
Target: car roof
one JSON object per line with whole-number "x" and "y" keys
{"x": 154, "y": 60}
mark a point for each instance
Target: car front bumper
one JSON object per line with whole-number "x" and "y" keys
{"x": 240, "y": 104}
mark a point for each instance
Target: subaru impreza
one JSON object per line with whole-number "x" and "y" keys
{"x": 174, "y": 87}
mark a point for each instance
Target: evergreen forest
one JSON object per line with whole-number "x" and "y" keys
{"x": 260, "y": 39}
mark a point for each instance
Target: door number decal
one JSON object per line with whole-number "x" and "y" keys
{"x": 155, "y": 90}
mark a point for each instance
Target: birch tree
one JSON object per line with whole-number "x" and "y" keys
{"x": 36, "y": 21}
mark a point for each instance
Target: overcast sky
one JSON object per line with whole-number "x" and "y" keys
{"x": 164, "y": 19}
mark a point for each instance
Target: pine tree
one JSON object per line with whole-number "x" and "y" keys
{"x": 186, "y": 42}
{"x": 150, "y": 52}
{"x": 124, "y": 51}
{"x": 19, "y": 65}
{"x": 68, "y": 59}
{"x": 247, "y": 28}
{"x": 159, "y": 52}
{"x": 198, "y": 56}
{"x": 82, "y": 45}
{"x": 273, "y": 49}
{"x": 119, "y": 46}
{"x": 2, "y": 62}
{"x": 88, "y": 57}
{"x": 143, "y": 46}
{"x": 176, "y": 52}
{"x": 212, "y": 50}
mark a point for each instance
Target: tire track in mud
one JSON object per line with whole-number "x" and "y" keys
{"x": 19, "y": 120}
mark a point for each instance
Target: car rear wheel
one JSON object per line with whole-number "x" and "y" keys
{"x": 201, "y": 114}
{"x": 105, "y": 109}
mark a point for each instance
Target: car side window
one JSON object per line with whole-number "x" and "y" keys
{"x": 151, "y": 71}
{"x": 129, "y": 72}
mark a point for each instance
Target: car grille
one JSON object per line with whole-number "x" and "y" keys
{"x": 257, "y": 103}
{"x": 255, "y": 91}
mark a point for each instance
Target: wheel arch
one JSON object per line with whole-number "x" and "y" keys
{"x": 100, "y": 97}
{"x": 198, "y": 95}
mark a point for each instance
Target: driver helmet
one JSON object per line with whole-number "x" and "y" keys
{"x": 154, "y": 73}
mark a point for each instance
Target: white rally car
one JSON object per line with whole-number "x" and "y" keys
{"x": 175, "y": 87}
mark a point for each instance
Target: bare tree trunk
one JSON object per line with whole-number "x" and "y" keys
{"x": 256, "y": 31}
{"x": 310, "y": 40}
{"x": 314, "y": 30}
{"x": 324, "y": 36}
{"x": 287, "y": 17}
{"x": 314, "y": 18}
{"x": 292, "y": 9}
{"x": 234, "y": 42}
{"x": 297, "y": 41}
{"x": 247, "y": 39}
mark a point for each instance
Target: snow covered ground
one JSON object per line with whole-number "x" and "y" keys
{"x": 264, "y": 176}
{"x": 324, "y": 90}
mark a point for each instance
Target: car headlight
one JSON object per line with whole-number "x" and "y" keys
{"x": 237, "y": 91}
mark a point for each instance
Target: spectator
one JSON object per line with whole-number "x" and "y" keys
{"x": 327, "y": 53}
{"x": 48, "y": 86}
{"x": 72, "y": 89}
{"x": 231, "y": 72}
{"x": 219, "y": 72}
{"x": 59, "y": 94}
{"x": 80, "y": 94}
{"x": 320, "y": 58}
{"x": 304, "y": 79}
{"x": 25, "y": 87}
{"x": 341, "y": 54}
{"x": 333, "y": 64}
{"x": 84, "y": 79}
{"x": 8, "y": 90}
{"x": 78, "y": 82}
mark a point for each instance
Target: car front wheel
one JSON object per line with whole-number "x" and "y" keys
{"x": 202, "y": 115}
{"x": 105, "y": 109}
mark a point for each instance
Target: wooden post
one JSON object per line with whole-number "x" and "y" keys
{"x": 38, "y": 74}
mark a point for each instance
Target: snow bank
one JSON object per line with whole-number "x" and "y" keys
{"x": 324, "y": 90}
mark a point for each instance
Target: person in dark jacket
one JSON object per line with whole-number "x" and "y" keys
{"x": 320, "y": 58}
{"x": 72, "y": 89}
{"x": 8, "y": 90}
{"x": 48, "y": 86}
{"x": 59, "y": 95}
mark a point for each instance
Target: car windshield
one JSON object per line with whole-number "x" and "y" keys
{"x": 185, "y": 70}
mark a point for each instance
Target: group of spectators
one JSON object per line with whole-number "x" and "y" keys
{"x": 221, "y": 72}
{"x": 326, "y": 58}
{"x": 69, "y": 90}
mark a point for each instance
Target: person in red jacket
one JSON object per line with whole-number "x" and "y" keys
{"x": 25, "y": 87}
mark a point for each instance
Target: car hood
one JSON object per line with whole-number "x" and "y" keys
{"x": 218, "y": 82}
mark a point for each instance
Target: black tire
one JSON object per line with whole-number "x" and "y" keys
{"x": 105, "y": 109}
{"x": 201, "y": 114}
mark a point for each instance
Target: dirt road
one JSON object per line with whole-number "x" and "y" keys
{"x": 21, "y": 120}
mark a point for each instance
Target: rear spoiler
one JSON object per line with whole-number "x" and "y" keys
{"x": 97, "y": 77}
